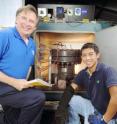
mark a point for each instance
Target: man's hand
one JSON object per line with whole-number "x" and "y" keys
{"x": 21, "y": 84}
{"x": 96, "y": 119}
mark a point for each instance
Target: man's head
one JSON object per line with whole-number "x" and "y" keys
{"x": 90, "y": 54}
{"x": 26, "y": 20}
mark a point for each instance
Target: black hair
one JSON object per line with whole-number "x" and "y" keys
{"x": 90, "y": 45}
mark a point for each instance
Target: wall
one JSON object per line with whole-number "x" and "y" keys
{"x": 7, "y": 11}
{"x": 107, "y": 41}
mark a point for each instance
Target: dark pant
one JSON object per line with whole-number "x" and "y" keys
{"x": 21, "y": 107}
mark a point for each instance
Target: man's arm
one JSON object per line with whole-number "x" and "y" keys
{"x": 112, "y": 106}
{"x": 19, "y": 84}
{"x": 75, "y": 86}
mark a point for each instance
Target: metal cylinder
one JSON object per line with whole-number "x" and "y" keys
{"x": 66, "y": 70}
{"x": 65, "y": 59}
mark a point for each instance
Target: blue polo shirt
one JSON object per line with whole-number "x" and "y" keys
{"x": 15, "y": 55}
{"x": 97, "y": 85}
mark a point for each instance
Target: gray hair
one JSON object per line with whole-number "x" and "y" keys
{"x": 27, "y": 8}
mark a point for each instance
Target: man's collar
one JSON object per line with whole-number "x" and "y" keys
{"x": 98, "y": 66}
{"x": 16, "y": 33}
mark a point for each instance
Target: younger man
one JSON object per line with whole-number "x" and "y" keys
{"x": 100, "y": 81}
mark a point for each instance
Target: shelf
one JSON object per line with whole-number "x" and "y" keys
{"x": 69, "y": 27}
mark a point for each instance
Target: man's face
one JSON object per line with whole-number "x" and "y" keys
{"x": 26, "y": 23}
{"x": 89, "y": 57}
